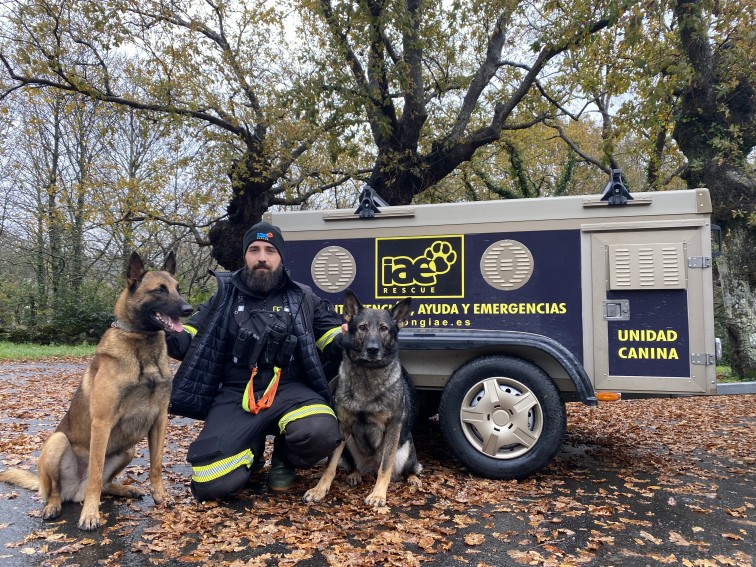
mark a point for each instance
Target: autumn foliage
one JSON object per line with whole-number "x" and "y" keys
{"x": 642, "y": 482}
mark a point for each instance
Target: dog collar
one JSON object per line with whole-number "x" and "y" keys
{"x": 118, "y": 324}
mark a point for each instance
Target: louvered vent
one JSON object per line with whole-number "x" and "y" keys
{"x": 647, "y": 266}
{"x": 333, "y": 269}
{"x": 506, "y": 265}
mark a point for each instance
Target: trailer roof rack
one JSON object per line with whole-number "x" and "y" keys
{"x": 615, "y": 191}
{"x": 369, "y": 203}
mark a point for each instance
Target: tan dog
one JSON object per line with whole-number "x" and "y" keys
{"x": 123, "y": 398}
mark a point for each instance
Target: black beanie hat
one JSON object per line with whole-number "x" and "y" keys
{"x": 267, "y": 233}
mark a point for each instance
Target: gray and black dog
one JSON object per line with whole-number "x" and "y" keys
{"x": 375, "y": 402}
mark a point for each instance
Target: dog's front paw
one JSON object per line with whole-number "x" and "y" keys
{"x": 314, "y": 495}
{"x": 52, "y": 511}
{"x": 89, "y": 521}
{"x": 354, "y": 478}
{"x": 414, "y": 480}
{"x": 376, "y": 499}
{"x": 162, "y": 498}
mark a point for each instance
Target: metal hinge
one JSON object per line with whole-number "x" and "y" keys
{"x": 703, "y": 358}
{"x": 699, "y": 262}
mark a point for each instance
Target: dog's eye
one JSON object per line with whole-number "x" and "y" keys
{"x": 384, "y": 328}
{"x": 362, "y": 327}
{"x": 161, "y": 289}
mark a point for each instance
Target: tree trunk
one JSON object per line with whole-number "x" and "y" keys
{"x": 55, "y": 219}
{"x": 76, "y": 261}
{"x": 716, "y": 134}
{"x": 731, "y": 190}
{"x": 251, "y": 198}
{"x": 739, "y": 305}
{"x": 38, "y": 299}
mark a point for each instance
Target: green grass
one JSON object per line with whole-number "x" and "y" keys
{"x": 724, "y": 374}
{"x": 30, "y": 351}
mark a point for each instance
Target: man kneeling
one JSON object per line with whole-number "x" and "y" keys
{"x": 250, "y": 367}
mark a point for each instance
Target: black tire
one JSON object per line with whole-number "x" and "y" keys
{"x": 520, "y": 420}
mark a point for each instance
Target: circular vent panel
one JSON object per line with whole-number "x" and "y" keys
{"x": 506, "y": 265}
{"x": 333, "y": 269}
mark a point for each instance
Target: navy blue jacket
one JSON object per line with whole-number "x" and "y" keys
{"x": 200, "y": 375}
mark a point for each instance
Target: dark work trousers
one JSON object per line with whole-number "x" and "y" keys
{"x": 233, "y": 439}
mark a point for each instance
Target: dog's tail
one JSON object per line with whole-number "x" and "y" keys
{"x": 21, "y": 478}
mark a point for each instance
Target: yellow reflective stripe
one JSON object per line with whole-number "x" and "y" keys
{"x": 327, "y": 337}
{"x": 189, "y": 329}
{"x": 215, "y": 470}
{"x": 249, "y": 389}
{"x": 304, "y": 412}
{"x": 245, "y": 398}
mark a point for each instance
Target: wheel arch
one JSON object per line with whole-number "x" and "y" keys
{"x": 463, "y": 346}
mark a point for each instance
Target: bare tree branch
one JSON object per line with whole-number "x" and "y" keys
{"x": 199, "y": 236}
{"x": 93, "y": 92}
{"x": 575, "y": 148}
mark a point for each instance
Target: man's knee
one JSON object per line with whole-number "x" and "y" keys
{"x": 225, "y": 486}
{"x": 311, "y": 439}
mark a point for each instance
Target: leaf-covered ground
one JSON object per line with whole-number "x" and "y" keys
{"x": 638, "y": 482}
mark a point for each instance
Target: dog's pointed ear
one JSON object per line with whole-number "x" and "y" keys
{"x": 170, "y": 264}
{"x": 400, "y": 311}
{"x": 352, "y": 305}
{"x": 134, "y": 270}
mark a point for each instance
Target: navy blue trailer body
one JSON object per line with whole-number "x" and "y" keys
{"x": 516, "y": 303}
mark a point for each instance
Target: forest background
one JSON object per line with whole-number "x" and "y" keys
{"x": 161, "y": 125}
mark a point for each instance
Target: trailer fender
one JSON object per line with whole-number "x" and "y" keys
{"x": 454, "y": 339}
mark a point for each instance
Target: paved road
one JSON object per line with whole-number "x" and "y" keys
{"x": 650, "y": 482}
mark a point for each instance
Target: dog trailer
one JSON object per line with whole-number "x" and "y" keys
{"x": 521, "y": 305}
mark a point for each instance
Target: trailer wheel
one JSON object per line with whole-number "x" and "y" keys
{"x": 502, "y": 416}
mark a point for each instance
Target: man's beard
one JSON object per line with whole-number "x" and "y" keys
{"x": 261, "y": 280}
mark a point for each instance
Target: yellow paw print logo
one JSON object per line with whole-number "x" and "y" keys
{"x": 440, "y": 257}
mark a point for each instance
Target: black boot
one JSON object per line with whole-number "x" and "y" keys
{"x": 281, "y": 474}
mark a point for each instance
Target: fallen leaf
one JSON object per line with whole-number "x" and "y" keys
{"x": 677, "y": 539}
{"x": 663, "y": 559}
{"x": 647, "y": 536}
{"x": 474, "y": 539}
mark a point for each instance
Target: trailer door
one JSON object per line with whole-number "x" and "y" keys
{"x": 651, "y": 320}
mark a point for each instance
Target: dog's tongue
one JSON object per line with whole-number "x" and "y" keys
{"x": 170, "y": 323}
{"x": 176, "y": 325}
